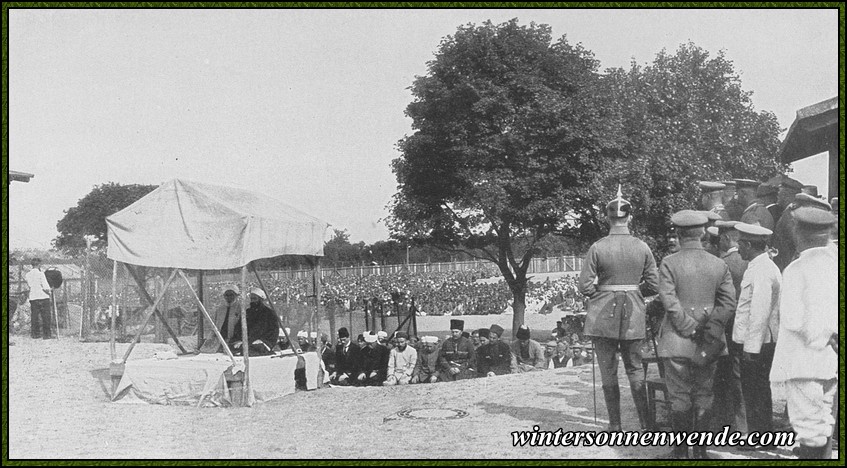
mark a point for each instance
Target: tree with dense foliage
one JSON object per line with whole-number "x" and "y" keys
{"x": 508, "y": 127}
{"x": 88, "y": 217}
{"x": 684, "y": 118}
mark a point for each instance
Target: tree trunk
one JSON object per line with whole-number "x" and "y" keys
{"x": 518, "y": 288}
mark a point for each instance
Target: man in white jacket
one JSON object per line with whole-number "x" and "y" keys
{"x": 757, "y": 326}
{"x": 401, "y": 361}
{"x": 806, "y": 356}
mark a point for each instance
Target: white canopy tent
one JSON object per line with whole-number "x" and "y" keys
{"x": 198, "y": 226}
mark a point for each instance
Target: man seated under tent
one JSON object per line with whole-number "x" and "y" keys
{"x": 262, "y": 327}
{"x": 224, "y": 317}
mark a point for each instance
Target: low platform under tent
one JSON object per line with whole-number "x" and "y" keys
{"x": 185, "y": 226}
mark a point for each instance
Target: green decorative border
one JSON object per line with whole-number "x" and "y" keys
{"x": 5, "y": 256}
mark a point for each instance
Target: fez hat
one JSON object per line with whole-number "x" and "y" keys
{"x": 343, "y": 333}
{"x": 484, "y": 333}
{"x": 496, "y": 329}
{"x": 618, "y": 208}
{"x": 523, "y": 333}
{"x": 456, "y": 324}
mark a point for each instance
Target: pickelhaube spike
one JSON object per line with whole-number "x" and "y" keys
{"x": 618, "y": 208}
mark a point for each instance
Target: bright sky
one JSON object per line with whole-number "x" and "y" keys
{"x": 308, "y": 105}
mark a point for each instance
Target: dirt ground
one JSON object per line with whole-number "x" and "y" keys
{"x": 59, "y": 408}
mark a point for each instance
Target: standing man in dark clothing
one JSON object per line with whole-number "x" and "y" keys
{"x": 262, "y": 326}
{"x": 787, "y": 188}
{"x": 619, "y": 270}
{"x": 346, "y": 360}
{"x": 755, "y": 211}
{"x": 697, "y": 293}
{"x": 783, "y": 235}
{"x": 493, "y": 357}
{"x": 730, "y": 201}
{"x": 711, "y": 198}
{"x": 457, "y": 358}
{"x": 225, "y": 317}
{"x": 727, "y": 386}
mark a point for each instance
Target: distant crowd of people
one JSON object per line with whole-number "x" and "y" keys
{"x": 438, "y": 293}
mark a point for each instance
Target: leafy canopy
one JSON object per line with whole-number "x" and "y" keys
{"x": 88, "y": 217}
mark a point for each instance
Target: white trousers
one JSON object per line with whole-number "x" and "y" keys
{"x": 810, "y": 409}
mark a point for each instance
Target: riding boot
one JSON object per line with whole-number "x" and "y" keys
{"x": 702, "y": 423}
{"x": 612, "y": 394}
{"x": 639, "y": 395}
{"x": 681, "y": 422}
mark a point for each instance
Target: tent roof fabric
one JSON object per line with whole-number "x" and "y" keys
{"x": 199, "y": 226}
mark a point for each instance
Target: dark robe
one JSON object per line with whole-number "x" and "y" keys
{"x": 262, "y": 324}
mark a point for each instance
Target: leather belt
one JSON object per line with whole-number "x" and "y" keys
{"x": 617, "y": 287}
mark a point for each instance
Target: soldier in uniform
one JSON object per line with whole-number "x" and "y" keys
{"x": 619, "y": 270}
{"x": 456, "y": 360}
{"x": 806, "y": 356}
{"x": 787, "y": 189}
{"x": 730, "y": 201}
{"x": 697, "y": 293}
{"x": 767, "y": 195}
{"x": 727, "y": 386}
{"x": 712, "y": 198}
{"x": 783, "y": 233}
{"x": 755, "y": 212}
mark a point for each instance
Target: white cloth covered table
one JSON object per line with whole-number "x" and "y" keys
{"x": 200, "y": 379}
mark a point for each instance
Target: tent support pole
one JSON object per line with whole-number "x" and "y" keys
{"x": 247, "y": 399}
{"x": 152, "y": 308}
{"x": 114, "y": 309}
{"x": 208, "y": 317}
{"x": 143, "y": 291}
{"x": 200, "y": 321}
{"x": 316, "y": 274}
{"x": 271, "y": 305}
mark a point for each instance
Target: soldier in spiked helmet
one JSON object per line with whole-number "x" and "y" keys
{"x": 619, "y": 270}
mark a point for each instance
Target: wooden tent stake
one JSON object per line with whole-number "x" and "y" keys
{"x": 208, "y": 317}
{"x": 247, "y": 397}
{"x": 143, "y": 290}
{"x": 114, "y": 309}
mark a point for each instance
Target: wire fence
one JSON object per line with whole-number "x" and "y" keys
{"x": 84, "y": 302}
